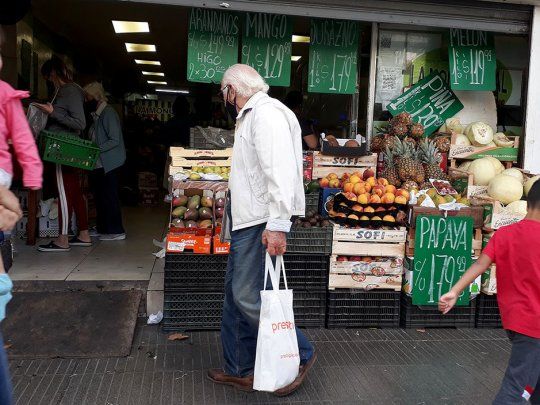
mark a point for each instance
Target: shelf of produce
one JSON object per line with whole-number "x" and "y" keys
{"x": 414, "y": 316}
{"x": 470, "y": 152}
{"x": 313, "y": 240}
{"x": 476, "y": 242}
{"x": 363, "y": 309}
{"x": 487, "y": 312}
{"x": 323, "y": 165}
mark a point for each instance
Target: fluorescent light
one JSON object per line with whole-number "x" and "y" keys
{"x": 147, "y": 62}
{"x": 140, "y": 47}
{"x": 295, "y": 58}
{"x": 300, "y": 38}
{"x": 123, "y": 27}
{"x": 153, "y": 73}
{"x": 155, "y": 82}
{"x": 176, "y": 91}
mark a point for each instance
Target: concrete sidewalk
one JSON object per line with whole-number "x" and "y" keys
{"x": 354, "y": 367}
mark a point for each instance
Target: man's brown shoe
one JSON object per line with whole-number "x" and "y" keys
{"x": 289, "y": 389}
{"x": 219, "y": 377}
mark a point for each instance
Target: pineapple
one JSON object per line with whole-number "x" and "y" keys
{"x": 377, "y": 143}
{"x": 416, "y": 130}
{"x": 390, "y": 172}
{"x": 419, "y": 174}
{"x": 399, "y": 129}
{"x": 409, "y": 167}
{"x": 410, "y": 185}
{"x": 411, "y": 140}
{"x": 443, "y": 143}
{"x": 431, "y": 159}
{"x": 402, "y": 118}
{"x": 389, "y": 142}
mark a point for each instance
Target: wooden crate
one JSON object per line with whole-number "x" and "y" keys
{"x": 475, "y": 152}
{"x": 380, "y": 266}
{"x": 476, "y": 213}
{"x": 365, "y": 282}
{"x": 476, "y": 243}
{"x": 369, "y": 242}
{"x": 176, "y": 152}
{"x": 323, "y": 165}
{"x": 182, "y": 158}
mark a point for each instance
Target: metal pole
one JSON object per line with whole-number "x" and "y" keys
{"x": 372, "y": 80}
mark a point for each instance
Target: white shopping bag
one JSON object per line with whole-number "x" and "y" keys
{"x": 278, "y": 359}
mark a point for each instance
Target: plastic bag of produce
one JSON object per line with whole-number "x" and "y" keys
{"x": 278, "y": 359}
{"x": 37, "y": 119}
{"x": 219, "y": 137}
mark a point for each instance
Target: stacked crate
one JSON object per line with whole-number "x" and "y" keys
{"x": 365, "y": 289}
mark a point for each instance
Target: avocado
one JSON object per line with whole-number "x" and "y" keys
{"x": 194, "y": 202}
{"x": 191, "y": 215}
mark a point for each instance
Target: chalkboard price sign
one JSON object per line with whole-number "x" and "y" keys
{"x": 442, "y": 253}
{"x": 266, "y": 46}
{"x": 212, "y": 44}
{"x": 333, "y": 54}
{"x": 472, "y": 60}
{"x": 430, "y": 102}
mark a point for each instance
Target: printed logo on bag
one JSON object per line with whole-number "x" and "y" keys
{"x": 290, "y": 355}
{"x": 279, "y": 326}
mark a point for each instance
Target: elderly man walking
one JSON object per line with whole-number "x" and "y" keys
{"x": 266, "y": 190}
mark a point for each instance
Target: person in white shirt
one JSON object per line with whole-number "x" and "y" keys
{"x": 266, "y": 190}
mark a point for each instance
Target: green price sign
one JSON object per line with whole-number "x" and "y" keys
{"x": 212, "y": 44}
{"x": 472, "y": 60}
{"x": 430, "y": 102}
{"x": 266, "y": 46}
{"x": 333, "y": 54}
{"x": 442, "y": 253}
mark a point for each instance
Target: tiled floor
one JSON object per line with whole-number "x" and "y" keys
{"x": 131, "y": 259}
{"x": 354, "y": 367}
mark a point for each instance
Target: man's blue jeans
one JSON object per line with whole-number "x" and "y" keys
{"x": 240, "y": 323}
{"x": 6, "y": 390}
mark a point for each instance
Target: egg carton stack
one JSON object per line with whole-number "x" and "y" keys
{"x": 366, "y": 270}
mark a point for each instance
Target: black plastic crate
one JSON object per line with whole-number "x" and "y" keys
{"x": 315, "y": 240}
{"x": 350, "y": 308}
{"x": 203, "y": 310}
{"x": 312, "y": 202}
{"x": 414, "y": 316}
{"x": 195, "y": 272}
{"x": 192, "y": 311}
{"x": 487, "y": 312}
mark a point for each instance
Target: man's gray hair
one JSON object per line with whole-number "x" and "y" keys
{"x": 245, "y": 80}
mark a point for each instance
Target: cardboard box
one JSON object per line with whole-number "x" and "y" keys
{"x": 220, "y": 248}
{"x": 180, "y": 243}
{"x": 325, "y": 195}
{"x": 190, "y": 192}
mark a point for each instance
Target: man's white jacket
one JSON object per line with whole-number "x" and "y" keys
{"x": 266, "y": 181}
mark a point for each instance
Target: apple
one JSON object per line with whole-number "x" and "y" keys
{"x": 332, "y": 176}
{"x": 353, "y": 216}
{"x": 380, "y": 209}
{"x": 389, "y": 198}
{"x": 364, "y": 218}
{"x": 357, "y": 208}
{"x": 363, "y": 198}
{"x": 350, "y": 196}
{"x": 376, "y": 218}
{"x": 354, "y": 179}
{"x": 359, "y": 188}
{"x": 389, "y": 218}
{"x": 375, "y": 199}
{"x": 345, "y": 176}
{"x": 382, "y": 181}
{"x": 348, "y": 187}
{"x": 368, "y": 187}
{"x": 324, "y": 182}
{"x": 402, "y": 192}
{"x": 368, "y": 173}
{"x": 341, "y": 215}
{"x": 378, "y": 190}
{"x": 400, "y": 200}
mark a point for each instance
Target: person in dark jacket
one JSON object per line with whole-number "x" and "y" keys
{"x": 106, "y": 131}
{"x": 176, "y": 130}
{"x": 66, "y": 114}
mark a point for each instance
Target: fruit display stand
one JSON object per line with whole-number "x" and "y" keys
{"x": 195, "y": 163}
{"x": 470, "y": 152}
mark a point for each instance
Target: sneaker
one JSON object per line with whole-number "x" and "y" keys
{"x": 77, "y": 242}
{"x": 113, "y": 236}
{"x": 52, "y": 247}
{"x": 94, "y": 233}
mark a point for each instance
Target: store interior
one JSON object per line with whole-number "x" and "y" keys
{"x": 83, "y": 35}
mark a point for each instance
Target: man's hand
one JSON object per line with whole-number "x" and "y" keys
{"x": 447, "y": 302}
{"x": 275, "y": 242}
{"x": 10, "y": 210}
{"x": 46, "y": 108}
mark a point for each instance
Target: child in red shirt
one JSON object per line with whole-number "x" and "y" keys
{"x": 516, "y": 251}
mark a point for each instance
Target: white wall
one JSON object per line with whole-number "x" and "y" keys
{"x": 532, "y": 121}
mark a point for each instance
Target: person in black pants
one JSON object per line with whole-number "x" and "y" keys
{"x": 106, "y": 132}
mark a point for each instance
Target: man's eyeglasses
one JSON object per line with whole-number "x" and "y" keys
{"x": 221, "y": 93}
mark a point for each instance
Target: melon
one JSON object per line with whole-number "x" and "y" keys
{"x": 505, "y": 189}
{"x": 479, "y": 133}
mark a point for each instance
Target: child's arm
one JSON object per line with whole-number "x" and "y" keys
{"x": 24, "y": 145}
{"x": 448, "y": 300}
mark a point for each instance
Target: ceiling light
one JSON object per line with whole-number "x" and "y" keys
{"x": 123, "y": 27}
{"x": 300, "y": 38}
{"x": 153, "y": 73}
{"x": 295, "y": 58}
{"x": 176, "y": 91}
{"x": 140, "y": 47}
{"x": 154, "y": 82}
{"x": 147, "y": 62}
